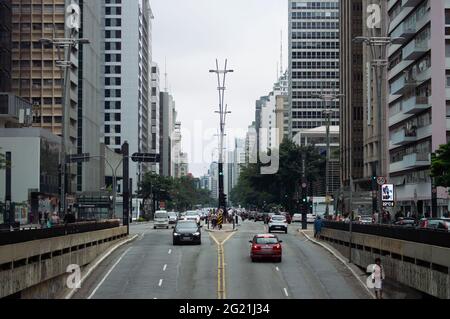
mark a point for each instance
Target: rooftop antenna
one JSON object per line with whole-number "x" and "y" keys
{"x": 281, "y": 54}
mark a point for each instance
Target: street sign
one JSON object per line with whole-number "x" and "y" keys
{"x": 381, "y": 180}
{"x": 78, "y": 158}
{"x": 145, "y": 158}
{"x": 388, "y": 204}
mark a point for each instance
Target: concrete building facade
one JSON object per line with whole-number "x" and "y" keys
{"x": 418, "y": 101}
{"x": 128, "y": 64}
{"x": 313, "y": 62}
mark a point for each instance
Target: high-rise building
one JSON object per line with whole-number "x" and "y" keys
{"x": 313, "y": 62}
{"x": 214, "y": 180}
{"x": 35, "y": 74}
{"x": 238, "y": 160}
{"x": 91, "y": 175}
{"x": 418, "y": 100}
{"x": 167, "y": 120}
{"x": 5, "y": 46}
{"x": 251, "y": 145}
{"x": 155, "y": 124}
{"x": 268, "y": 108}
{"x": 128, "y": 64}
{"x": 352, "y": 103}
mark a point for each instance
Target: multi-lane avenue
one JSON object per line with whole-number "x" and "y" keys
{"x": 151, "y": 267}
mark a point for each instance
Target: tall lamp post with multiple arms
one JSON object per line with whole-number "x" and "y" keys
{"x": 223, "y": 112}
{"x": 328, "y": 111}
{"x": 65, "y": 44}
{"x": 378, "y": 46}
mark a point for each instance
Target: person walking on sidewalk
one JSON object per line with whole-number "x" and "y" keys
{"x": 378, "y": 277}
{"x": 317, "y": 227}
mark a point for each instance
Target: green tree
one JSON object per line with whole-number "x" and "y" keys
{"x": 280, "y": 189}
{"x": 440, "y": 166}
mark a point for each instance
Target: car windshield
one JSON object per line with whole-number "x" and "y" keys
{"x": 172, "y": 214}
{"x": 161, "y": 215}
{"x": 266, "y": 240}
{"x": 278, "y": 218}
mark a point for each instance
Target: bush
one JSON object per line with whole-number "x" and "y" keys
{"x": 141, "y": 220}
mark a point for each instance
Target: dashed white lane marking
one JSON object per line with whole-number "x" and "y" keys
{"x": 106, "y": 276}
{"x": 286, "y": 292}
{"x": 160, "y": 282}
{"x": 165, "y": 267}
{"x": 170, "y": 251}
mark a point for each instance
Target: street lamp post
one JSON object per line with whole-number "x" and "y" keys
{"x": 67, "y": 44}
{"x": 223, "y": 112}
{"x": 328, "y": 112}
{"x": 379, "y": 63}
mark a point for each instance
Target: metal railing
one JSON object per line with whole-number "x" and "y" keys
{"x": 15, "y": 237}
{"x": 417, "y": 235}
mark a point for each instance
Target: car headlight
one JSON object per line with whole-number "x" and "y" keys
{"x": 196, "y": 234}
{"x": 176, "y": 234}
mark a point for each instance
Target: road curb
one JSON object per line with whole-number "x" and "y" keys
{"x": 102, "y": 258}
{"x": 340, "y": 259}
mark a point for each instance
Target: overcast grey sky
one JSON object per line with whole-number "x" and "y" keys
{"x": 191, "y": 34}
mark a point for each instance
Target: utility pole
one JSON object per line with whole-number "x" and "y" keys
{"x": 327, "y": 112}
{"x": 73, "y": 23}
{"x": 126, "y": 186}
{"x": 223, "y": 112}
{"x": 379, "y": 63}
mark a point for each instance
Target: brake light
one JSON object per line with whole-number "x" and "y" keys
{"x": 256, "y": 247}
{"x": 277, "y": 247}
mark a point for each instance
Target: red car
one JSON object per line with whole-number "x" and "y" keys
{"x": 266, "y": 247}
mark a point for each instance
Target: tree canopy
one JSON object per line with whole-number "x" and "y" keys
{"x": 180, "y": 194}
{"x": 440, "y": 166}
{"x": 256, "y": 189}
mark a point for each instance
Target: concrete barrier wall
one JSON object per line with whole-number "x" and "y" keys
{"x": 419, "y": 266}
{"x": 38, "y": 269}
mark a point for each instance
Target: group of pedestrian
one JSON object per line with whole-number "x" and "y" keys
{"x": 215, "y": 217}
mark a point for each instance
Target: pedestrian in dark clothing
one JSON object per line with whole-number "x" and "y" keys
{"x": 318, "y": 227}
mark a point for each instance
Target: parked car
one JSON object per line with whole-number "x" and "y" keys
{"x": 187, "y": 231}
{"x": 161, "y": 219}
{"x": 278, "y": 223}
{"x": 266, "y": 247}
{"x": 406, "y": 222}
{"x": 442, "y": 224}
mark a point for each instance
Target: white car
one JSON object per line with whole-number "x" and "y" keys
{"x": 192, "y": 215}
{"x": 173, "y": 218}
{"x": 310, "y": 218}
{"x": 297, "y": 218}
{"x": 278, "y": 223}
{"x": 161, "y": 219}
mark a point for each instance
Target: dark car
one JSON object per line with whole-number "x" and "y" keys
{"x": 259, "y": 217}
{"x": 266, "y": 247}
{"x": 187, "y": 231}
{"x": 406, "y": 222}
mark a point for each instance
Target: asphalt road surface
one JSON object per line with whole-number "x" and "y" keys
{"x": 151, "y": 267}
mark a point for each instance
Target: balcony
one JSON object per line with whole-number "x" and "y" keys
{"x": 402, "y": 138}
{"x": 411, "y": 161}
{"x": 416, "y": 104}
{"x": 416, "y": 49}
{"x": 15, "y": 109}
{"x": 398, "y": 86}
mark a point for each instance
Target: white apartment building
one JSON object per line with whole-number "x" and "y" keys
{"x": 419, "y": 99}
{"x": 128, "y": 64}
